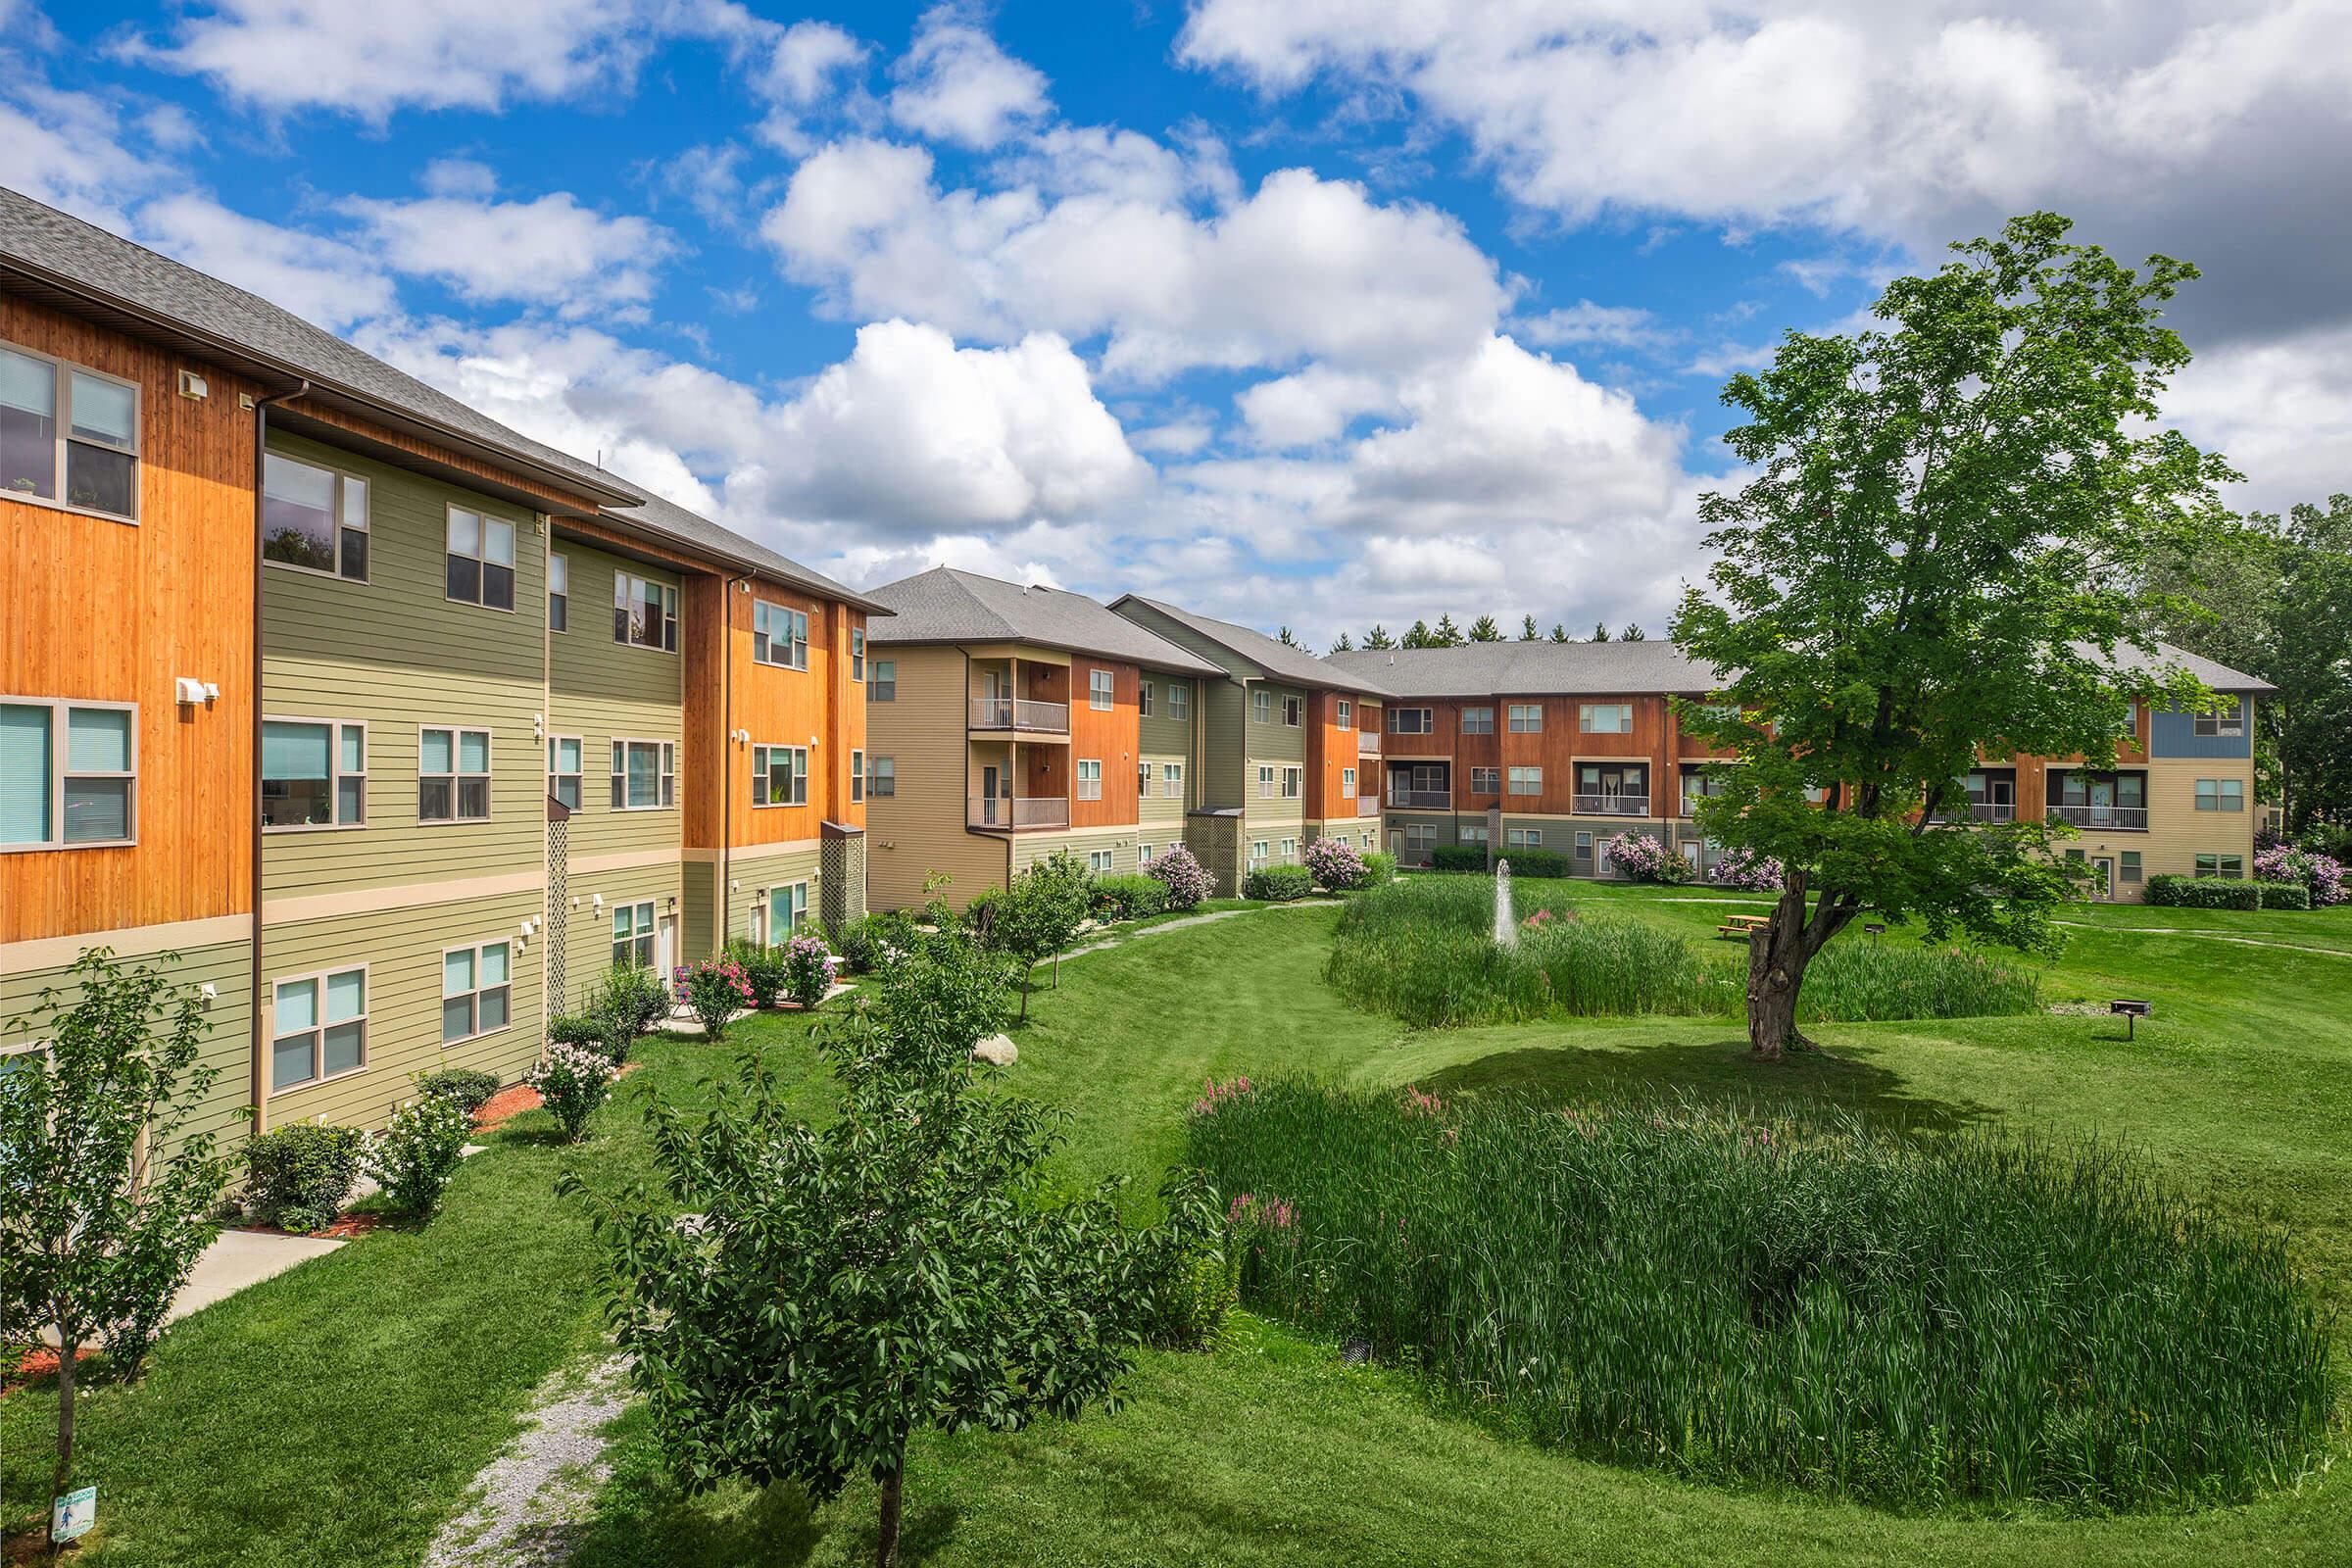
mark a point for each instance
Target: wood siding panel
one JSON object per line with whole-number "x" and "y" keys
{"x": 1110, "y": 737}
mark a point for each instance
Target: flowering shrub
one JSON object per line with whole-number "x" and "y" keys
{"x": 2291, "y": 862}
{"x": 1265, "y": 1213}
{"x": 572, "y": 1082}
{"x": 809, "y": 969}
{"x": 717, "y": 989}
{"x": 417, "y": 1154}
{"x": 764, "y": 970}
{"x": 1646, "y": 859}
{"x": 1183, "y": 875}
{"x": 1748, "y": 870}
{"x": 1214, "y": 1093}
{"x": 1337, "y": 864}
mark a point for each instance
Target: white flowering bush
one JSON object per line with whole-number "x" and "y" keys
{"x": 572, "y": 1082}
{"x": 415, "y": 1157}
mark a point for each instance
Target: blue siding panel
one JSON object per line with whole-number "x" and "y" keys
{"x": 2172, "y": 734}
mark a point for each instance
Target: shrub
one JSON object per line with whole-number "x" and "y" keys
{"x": 2204, "y": 893}
{"x": 2285, "y": 895}
{"x": 1279, "y": 884}
{"x": 1459, "y": 857}
{"x": 468, "y": 1087}
{"x": 572, "y": 1083}
{"x": 762, "y": 970}
{"x": 300, "y": 1177}
{"x": 1645, "y": 858}
{"x": 633, "y": 997}
{"x": 1786, "y": 1302}
{"x": 716, "y": 989}
{"x": 1129, "y": 898}
{"x": 809, "y": 969}
{"x": 1336, "y": 865}
{"x": 1195, "y": 1269}
{"x": 1748, "y": 870}
{"x": 868, "y": 941}
{"x": 1527, "y": 861}
{"x": 417, "y": 1154}
{"x": 1379, "y": 867}
{"x": 2321, "y": 876}
{"x": 577, "y": 1028}
{"x": 1181, "y": 872}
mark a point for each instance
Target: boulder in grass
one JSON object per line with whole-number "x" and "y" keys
{"x": 998, "y": 1051}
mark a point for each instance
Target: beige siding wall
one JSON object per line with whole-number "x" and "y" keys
{"x": 753, "y": 874}
{"x": 921, "y": 829}
{"x": 1273, "y": 740}
{"x": 2177, "y": 832}
{"x": 1158, "y": 811}
{"x": 588, "y": 924}
{"x": 1030, "y": 848}
{"x": 602, "y": 691}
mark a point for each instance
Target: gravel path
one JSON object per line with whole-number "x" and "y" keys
{"x": 1196, "y": 919}
{"x": 534, "y": 1497}
{"x": 2210, "y": 936}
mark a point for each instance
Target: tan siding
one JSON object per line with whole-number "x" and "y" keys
{"x": 922, "y": 829}
{"x": 755, "y": 877}
{"x": 588, "y": 926}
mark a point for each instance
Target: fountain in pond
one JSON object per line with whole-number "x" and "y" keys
{"x": 1506, "y": 928}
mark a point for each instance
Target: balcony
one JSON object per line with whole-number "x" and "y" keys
{"x": 1020, "y": 713}
{"x": 1611, "y": 806}
{"x": 1367, "y": 806}
{"x": 2113, "y": 819}
{"x": 1367, "y": 743}
{"x": 1421, "y": 800}
{"x": 1010, "y": 814}
{"x": 1991, "y": 812}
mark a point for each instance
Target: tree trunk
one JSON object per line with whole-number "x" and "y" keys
{"x": 886, "y": 1544}
{"x": 68, "y": 1352}
{"x": 1777, "y": 955}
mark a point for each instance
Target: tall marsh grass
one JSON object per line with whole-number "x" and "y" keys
{"x": 1420, "y": 950}
{"x": 1807, "y": 1303}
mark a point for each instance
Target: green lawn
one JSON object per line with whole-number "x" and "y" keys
{"x": 335, "y": 1414}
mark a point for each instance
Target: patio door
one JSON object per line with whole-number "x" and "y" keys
{"x": 2102, "y": 800}
{"x": 666, "y": 944}
{"x": 2102, "y": 878}
{"x": 993, "y": 787}
{"x": 1600, "y": 857}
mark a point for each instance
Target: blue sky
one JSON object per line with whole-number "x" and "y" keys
{"x": 1313, "y": 314}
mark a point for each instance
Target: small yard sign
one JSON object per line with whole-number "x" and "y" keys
{"x": 72, "y": 1514}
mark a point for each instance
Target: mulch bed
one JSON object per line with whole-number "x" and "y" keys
{"x": 39, "y": 1362}
{"x": 346, "y": 1226}
{"x": 509, "y": 1103}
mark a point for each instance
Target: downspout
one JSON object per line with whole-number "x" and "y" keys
{"x": 261, "y": 438}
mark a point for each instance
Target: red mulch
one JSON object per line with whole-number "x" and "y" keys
{"x": 344, "y": 1228}
{"x": 509, "y": 1103}
{"x": 37, "y": 1363}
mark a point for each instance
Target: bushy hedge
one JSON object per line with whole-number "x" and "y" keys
{"x": 1459, "y": 857}
{"x": 1279, "y": 884}
{"x": 1129, "y": 898}
{"x": 2204, "y": 893}
{"x": 468, "y": 1087}
{"x": 865, "y": 942}
{"x": 2284, "y": 895}
{"x": 300, "y": 1176}
{"x": 1527, "y": 861}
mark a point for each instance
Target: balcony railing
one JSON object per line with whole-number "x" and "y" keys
{"x": 1367, "y": 743}
{"x": 1612, "y": 806}
{"x": 1421, "y": 800}
{"x": 1367, "y": 806}
{"x": 1983, "y": 811}
{"x": 1020, "y": 713}
{"x": 2119, "y": 818}
{"x": 1019, "y": 810}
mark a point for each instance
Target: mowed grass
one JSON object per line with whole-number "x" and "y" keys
{"x": 335, "y": 1415}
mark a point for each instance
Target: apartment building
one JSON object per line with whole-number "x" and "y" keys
{"x": 1010, "y": 721}
{"x": 1290, "y": 745}
{"x": 397, "y": 727}
{"x": 1564, "y": 746}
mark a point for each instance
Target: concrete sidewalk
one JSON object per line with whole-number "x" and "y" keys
{"x": 235, "y": 1260}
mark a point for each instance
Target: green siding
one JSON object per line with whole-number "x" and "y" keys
{"x": 1274, "y": 741}
{"x": 588, "y": 926}
{"x": 1225, "y": 747}
{"x": 1160, "y": 733}
{"x": 752, "y": 879}
{"x": 602, "y": 690}
{"x": 699, "y": 879}
{"x": 393, "y": 652}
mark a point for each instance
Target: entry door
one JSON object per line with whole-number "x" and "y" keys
{"x": 991, "y": 777}
{"x": 2102, "y": 878}
{"x": 666, "y": 944}
{"x": 1397, "y": 842}
{"x": 1600, "y": 857}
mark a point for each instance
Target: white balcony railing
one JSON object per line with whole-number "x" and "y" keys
{"x": 1006, "y": 811}
{"x": 1421, "y": 800}
{"x": 1367, "y": 743}
{"x": 1612, "y": 806}
{"x": 2119, "y": 818}
{"x": 1981, "y": 812}
{"x": 1367, "y": 806}
{"x": 1020, "y": 713}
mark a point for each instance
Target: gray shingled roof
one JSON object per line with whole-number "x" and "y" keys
{"x": 947, "y": 606}
{"x": 1608, "y": 669}
{"x": 62, "y": 251}
{"x": 1272, "y": 654}
{"x": 698, "y": 532}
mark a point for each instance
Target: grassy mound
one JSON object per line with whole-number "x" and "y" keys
{"x": 1422, "y": 951}
{"x": 1807, "y": 1303}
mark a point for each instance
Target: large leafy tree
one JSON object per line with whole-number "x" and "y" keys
{"x": 1936, "y": 561}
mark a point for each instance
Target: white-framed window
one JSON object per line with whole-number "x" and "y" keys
{"x": 1142, "y": 781}
{"x": 1414, "y": 721}
{"x": 2228, "y": 866}
{"x": 1348, "y": 783}
{"x": 1293, "y": 710}
{"x": 453, "y": 774}
{"x": 318, "y": 1027}
{"x": 856, "y": 777}
{"x": 884, "y": 687}
{"x": 1527, "y": 781}
{"x": 1486, "y": 781}
{"x": 1259, "y": 855}
{"x": 1290, "y": 849}
{"x": 882, "y": 776}
{"x": 857, "y": 653}
{"x": 1101, "y": 690}
{"x": 1180, "y": 699}
{"x": 1143, "y": 699}
{"x": 644, "y": 775}
{"x": 313, "y": 773}
{"x": 1527, "y": 718}
{"x": 1584, "y": 847}
{"x": 1090, "y": 779}
{"x": 633, "y": 936}
{"x": 645, "y": 612}
{"x": 1478, "y": 721}
{"x": 59, "y": 418}
{"x": 2127, "y": 867}
{"x": 1262, "y": 706}
{"x": 314, "y": 519}
{"x": 1266, "y": 783}
{"x": 565, "y": 756}
{"x": 2230, "y": 720}
{"x": 787, "y": 909}
{"x": 1473, "y": 833}
{"x": 476, "y": 994}
{"x": 1605, "y": 718}
{"x": 1346, "y": 715}
{"x": 1098, "y": 862}
{"x": 2221, "y": 795}
{"x": 779, "y": 635}
{"x": 779, "y": 775}
{"x": 1419, "y": 838}
{"x": 480, "y": 560}
{"x": 559, "y": 593}
{"x": 1294, "y": 783}
{"x": 1523, "y": 838}
{"x": 1171, "y": 781}
{"x": 69, "y": 774}
{"x": 1143, "y": 855}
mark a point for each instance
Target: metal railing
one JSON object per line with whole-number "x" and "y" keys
{"x": 1020, "y": 713}
{"x": 1612, "y": 806}
{"x": 1007, "y": 811}
{"x": 1981, "y": 812}
{"x": 1367, "y": 743}
{"x": 1367, "y": 806}
{"x": 2123, "y": 819}
{"x": 1422, "y": 800}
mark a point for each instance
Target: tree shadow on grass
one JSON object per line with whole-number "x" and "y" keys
{"x": 659, "y": 1525}
{"x": 1718, "y": 1070}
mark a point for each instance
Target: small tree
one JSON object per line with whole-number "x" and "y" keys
{"x": 106, "y": 1196}
{"x": 838, "y": 1290}
{"x": 1527, "y": 628}
{"x": 1378, "y": 638}
{"x": 1933, "y": 563}
{"x": 1484, "y": 630}
{"x": 1037, "y": 916}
